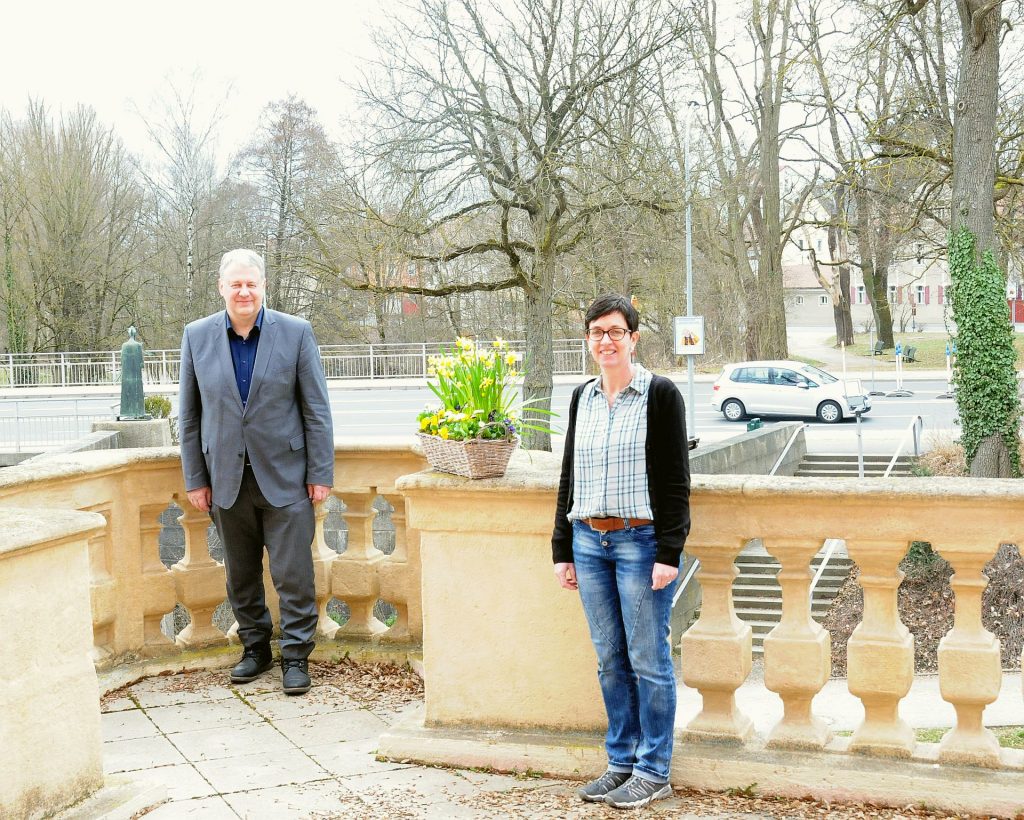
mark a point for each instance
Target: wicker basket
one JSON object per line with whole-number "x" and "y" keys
{"x": 473, "y": 458}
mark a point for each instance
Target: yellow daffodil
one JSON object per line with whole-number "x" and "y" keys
{"x": 443, "y": 432}
{"x": 424, "y": 422}
{"x": 510, "y": 358}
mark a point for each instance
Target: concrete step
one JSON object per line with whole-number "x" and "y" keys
{"x": 757, "y": 595}
{"x": 838, "y": 465}
{"x": 848, "y": 457}
{"x": 803, "y": 472}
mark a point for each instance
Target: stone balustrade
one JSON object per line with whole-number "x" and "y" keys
{"x": 516, "y": 687}
{"x": 132, "y": 590}
{"x": 510, "y": 671}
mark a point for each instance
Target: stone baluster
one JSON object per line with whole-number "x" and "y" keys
{"x": 199, "y": 582}
{"x": 797, "y": 652}
{"x": 354, "y": 572}
{"x": 103, "y": 590}
{"x": 970, "y": 671}
{"x": 323, "y": 558}
{"x": 158, "y": 592}
{"x": 716, "y": 650}
{"x": 880, "y": 654}
{"x": 400, "y": 578}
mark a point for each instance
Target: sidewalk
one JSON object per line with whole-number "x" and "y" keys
{"x": 249, "y": 751}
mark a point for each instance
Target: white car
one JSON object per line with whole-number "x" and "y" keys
{"x": 786, "y": 388}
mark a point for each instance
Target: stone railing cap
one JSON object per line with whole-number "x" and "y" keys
{"x": 24, "y": 527}
{"x": 901, "y": 489}
{"x": 528, "y": 470}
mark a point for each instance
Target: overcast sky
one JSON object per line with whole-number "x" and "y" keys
{"x": 113, "y": 55}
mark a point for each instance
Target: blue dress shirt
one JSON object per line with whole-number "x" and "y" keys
{"x": 243, "y": 354}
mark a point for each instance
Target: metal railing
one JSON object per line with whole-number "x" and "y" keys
{"x": 786, "y": 449}
{"x": 356, "y": 361}
{"x": 42, "y": 424}
{"x": 830, "y": 547}
{"x": 915, "y": 428}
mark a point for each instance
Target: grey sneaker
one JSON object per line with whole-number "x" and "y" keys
{"x": 595, "y": 790}
{"x": 637, "y": 792}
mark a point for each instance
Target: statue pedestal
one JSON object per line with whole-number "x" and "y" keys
{"x": 138, "y": 433}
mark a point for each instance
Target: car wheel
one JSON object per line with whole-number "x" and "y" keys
{"x": 733, "y": 410}
{"x": 829, "y": 412}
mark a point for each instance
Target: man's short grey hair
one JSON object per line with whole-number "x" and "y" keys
{"x": 244, "y": 258}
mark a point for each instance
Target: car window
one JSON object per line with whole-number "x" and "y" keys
{"x": 819, "y": 375}
{"x": 789, "y": 378}
{"x": 751, "y": 375}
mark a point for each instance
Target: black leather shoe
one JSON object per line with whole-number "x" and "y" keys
{"x": 255, "y": 661}
{"x": 295, "y": 675}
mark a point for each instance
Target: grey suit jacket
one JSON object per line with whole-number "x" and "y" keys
{"x": 285, "y": 426}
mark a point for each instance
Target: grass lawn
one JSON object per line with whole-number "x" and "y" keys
{"x": 931, "y": 349}
{"x": 1009, "y": 737}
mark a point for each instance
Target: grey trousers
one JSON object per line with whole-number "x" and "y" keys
{"x": 287, "y": 532}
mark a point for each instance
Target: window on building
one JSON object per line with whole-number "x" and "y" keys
{"x": 799, "y": 300}
{"x": 800, "y": 244}
{"x": 823, "y": 299}
{"x": 819, "y": 246}
{"x": 862, "y": 295}
{"x": 892, "y": 294}
{"x": 919, "y": 295}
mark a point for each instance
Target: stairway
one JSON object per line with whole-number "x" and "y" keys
{"x": 823, "y": 465}
{"x": 757, "y": 596}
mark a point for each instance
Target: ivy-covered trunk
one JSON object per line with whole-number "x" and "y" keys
{"x": 986, "y": 374}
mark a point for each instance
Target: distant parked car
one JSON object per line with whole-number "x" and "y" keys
{"x": 785, "y": 388}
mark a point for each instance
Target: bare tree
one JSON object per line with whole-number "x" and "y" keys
{"x": 183, "y": 185}
{"x": 78, "y": 233}
{"x": 485, "y": 116}
{"x": 289, "y": 153}
{"x": 759, "y": 212}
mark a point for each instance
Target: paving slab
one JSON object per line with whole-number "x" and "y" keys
{"x": 334, "y": 727}
{"x": 208, "y": 808}
{"x": 352, "y": 758}
{"x": 242, "y": 773}
{"x": 183, "y": 781}
{"x": 324, "y": 799}
{"x": 127, "y": 725}
{"x": 222, "y": 742}
{"x": 139, "y": 753}
{"x": 187, "y": 717}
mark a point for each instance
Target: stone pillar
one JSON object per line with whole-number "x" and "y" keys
{"x": 103, "y": 590}
{"x": 323, "y": 559}
{"x": 198, "y": 581}
{"x": 400, "y": 578}
{"x": 797, "y": 652}
{"x": 49, "y": 710}
{"x": 970, "y": 671}
{"x": 716, "y": 650}
{"x": 158, "y": 589}
{"x": 354, "y": 572}
{"x": 880, "y": 653}
{"x": 504, "y": 646}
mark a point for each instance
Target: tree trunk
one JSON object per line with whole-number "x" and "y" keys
{"x": 971, "y": 208}
{"x": 539, "y": 364}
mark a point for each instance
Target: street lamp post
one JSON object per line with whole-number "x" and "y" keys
{"x": 691, "y": 412}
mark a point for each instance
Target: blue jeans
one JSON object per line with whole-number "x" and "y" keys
{"x": 629, "y": 625}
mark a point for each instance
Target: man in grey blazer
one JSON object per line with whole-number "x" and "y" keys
{"x": 257, "y": 451}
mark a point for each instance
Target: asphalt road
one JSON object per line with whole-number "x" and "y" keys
{"x": 390, "y": 410}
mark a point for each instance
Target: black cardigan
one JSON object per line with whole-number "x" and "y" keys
{"x": 668, "y": 474}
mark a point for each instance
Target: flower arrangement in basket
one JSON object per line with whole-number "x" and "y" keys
{"x": 475, "y": 430}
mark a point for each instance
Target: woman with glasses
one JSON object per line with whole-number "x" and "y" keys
{"x": 620, "y": 525}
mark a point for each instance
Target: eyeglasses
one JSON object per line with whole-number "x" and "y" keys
{"x": 616, "y": 334}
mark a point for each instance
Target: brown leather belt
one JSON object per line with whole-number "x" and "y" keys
{"x": 611, "y": 524}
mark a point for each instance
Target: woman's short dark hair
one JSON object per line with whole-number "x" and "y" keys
{"x": 611, "y": 303}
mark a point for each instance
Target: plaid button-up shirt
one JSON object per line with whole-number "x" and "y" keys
{"x": 610, "y": 464}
